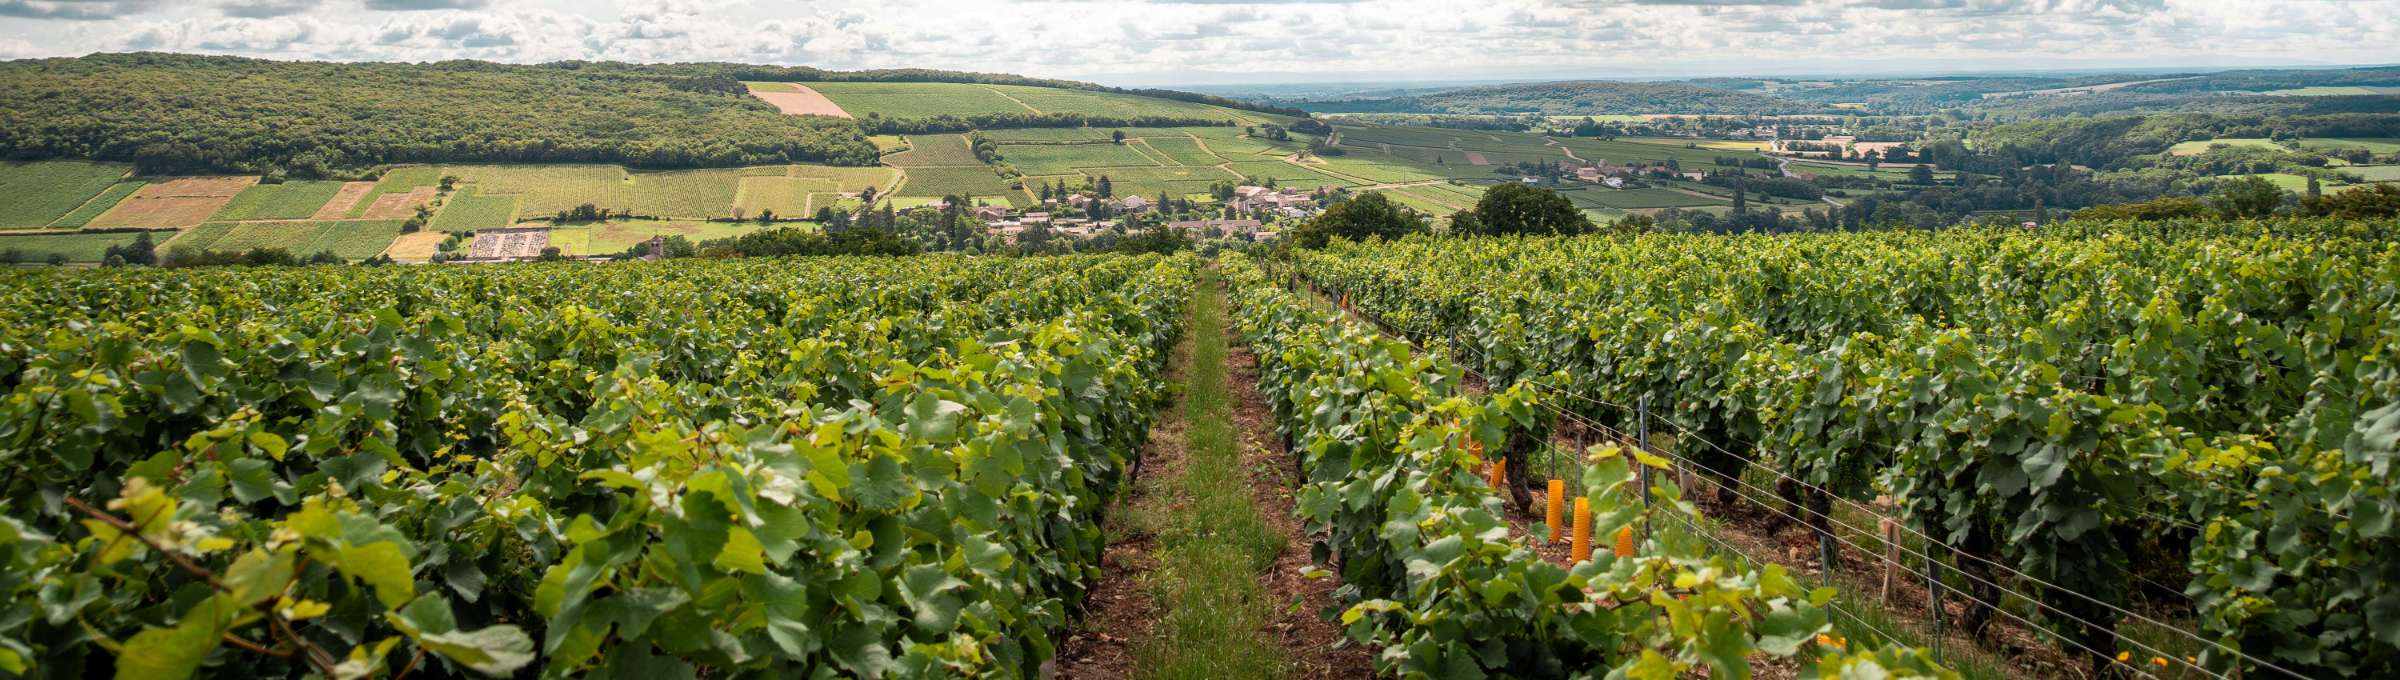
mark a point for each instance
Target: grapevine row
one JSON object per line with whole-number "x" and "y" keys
{"x": 827, "y": 467}
{"x": 1386, "y": 439}
{"x": 2083, "y": 409}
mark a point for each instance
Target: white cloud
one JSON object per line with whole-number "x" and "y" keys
{"x": 1167, "y": 39}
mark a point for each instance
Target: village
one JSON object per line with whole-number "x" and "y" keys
{"x": 1247, "y": 213}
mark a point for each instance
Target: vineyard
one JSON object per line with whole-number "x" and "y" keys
{"x": 2187, "y": 426}
{"x": 832, "y": 467}
{"x": 1389, "y": 439}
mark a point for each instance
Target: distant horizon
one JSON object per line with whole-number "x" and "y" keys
{"x": 1401, "y": 81}
{"x": 1254, "y": 42}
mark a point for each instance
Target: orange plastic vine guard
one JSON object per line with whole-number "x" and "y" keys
{"x": 1581, "y": 550}
{"x": 1624, "y": 547}
{"x": 1558, "y": 507}
{"x": 1499, "y": 475}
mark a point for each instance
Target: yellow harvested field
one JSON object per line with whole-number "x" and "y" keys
{"x": 417, "y": 247}
{"x": 183, "y": 202}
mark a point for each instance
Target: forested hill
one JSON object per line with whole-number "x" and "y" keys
{"x": 807, "y": 74}
{"x": 173, "y": 113}
{"x": 176, "y": 113}
{"x": 1576, "y": 98}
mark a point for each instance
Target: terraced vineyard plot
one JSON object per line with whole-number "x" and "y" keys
{"x": 785, "y": 196}
{"x": 87, "y": 248}
{"x": 1232, "y": 143}
{"x": 1180, "y": 149}
{"x": 1149, "y": 182}
{"x": 100, "y": 204}
{"x": 182, "y": 202}
{"x": 1050, "y": 100}
{"x": 1051, "y": 135}
{"x": 34, "y": 195}
{"x": 291, "y": 200}
{"x": 935, "y": 151}
{"x": 468, "y": 209}
{"x": 1636, "y": 199}
{"x": 543, "y": 190}
{"x": 1641, "y": 153}
{"x": 975, "y": 181}
{"x": 1288, "y": 175}
{"x": 916, "y": 100}
{"x": 1067, "y": 159}
{"x": 1374, "y": 168}
{"x": 403, "y": 179}
{"x": 351, "y": 239}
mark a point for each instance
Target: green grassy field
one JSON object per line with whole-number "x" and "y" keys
{"x": 468, "y": 209}
{"x": 1066, "y": 159}
{"x": 888, "y": 143}
{"x": 293, "y": 200}
{"x": 33, "y": 248}
{"x": 2197, "y": 147}
{"x": 2332, "y": 91}
{"x": 2371, "y": 144}
{"x": 2375, "y": 173}
{"x": 33, "y": 195}
{"x": 108, "y": 198}
{"x": 975, "y": 181}
{"x": 926, "y": 151}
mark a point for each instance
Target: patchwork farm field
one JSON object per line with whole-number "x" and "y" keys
{"x": 180, "y": 202}
{"x": 917, "y": 100}
{"x": 294, "y": 200}
{"x": 35, "y": 194}
{"x": 1180, "y": 150}
{"x": 2370, "y": 144}
{"x": 1067, "y": 159}
{"x": 2198, "y": 147}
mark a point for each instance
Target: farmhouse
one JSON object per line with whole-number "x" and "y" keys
{"x": 988, "y": 213}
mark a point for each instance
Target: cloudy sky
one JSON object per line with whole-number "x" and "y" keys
{"x": 1223, "y": 41}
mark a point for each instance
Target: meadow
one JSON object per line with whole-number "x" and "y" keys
{"x": 35, "y": 194}
{"x": 617, "y": 236}
{"x": 2198, "y": 147}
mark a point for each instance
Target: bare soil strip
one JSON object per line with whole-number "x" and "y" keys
{"x": 801, "y": 100}
{"x": 339, "y": 206}
{"x": 1316, "y": 647}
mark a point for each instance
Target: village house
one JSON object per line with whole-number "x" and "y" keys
{"x": 1134, "y": 204}
{"x": 1037, "y": 218}
{"x": 989, "y": 213}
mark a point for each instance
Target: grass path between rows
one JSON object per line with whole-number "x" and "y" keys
{"x": 1201, "y": 578}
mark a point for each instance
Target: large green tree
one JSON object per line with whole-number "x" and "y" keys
{"x": 1521, "y": 209}
{"x": 1367, "y": 216}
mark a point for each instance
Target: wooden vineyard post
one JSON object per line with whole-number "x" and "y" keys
{"x": 1581, "y": 550}
{"x": 1558, "y": 507}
